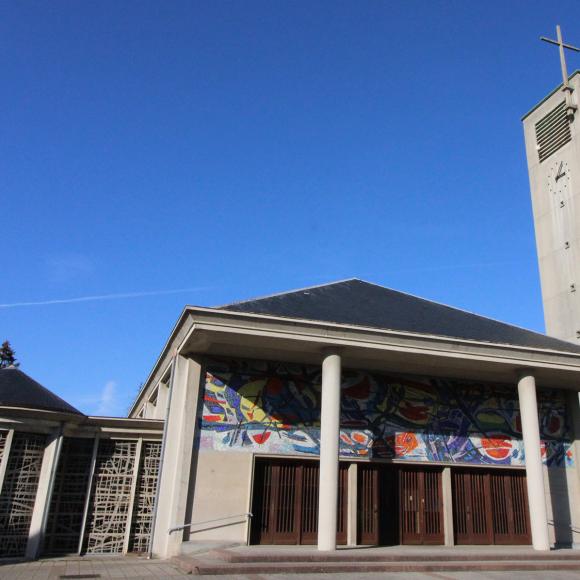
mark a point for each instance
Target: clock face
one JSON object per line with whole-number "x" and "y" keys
{"x": 559, "y": 178}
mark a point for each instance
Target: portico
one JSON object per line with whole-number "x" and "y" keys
{"x": 329, "y": 456}
{"x": 206, "y": 335}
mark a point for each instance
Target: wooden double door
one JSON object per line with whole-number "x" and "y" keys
{"x": 490, "y": 507}
{"x": 399, "y": 505}
{"x": 395, "y": 504}
{"x": 285, "y": 502}
{"x": 421, "y": 505}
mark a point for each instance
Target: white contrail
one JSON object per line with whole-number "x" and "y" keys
{"x": 102, "y": 297}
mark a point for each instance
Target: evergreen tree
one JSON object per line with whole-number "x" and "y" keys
{"x": 7, "y": 356}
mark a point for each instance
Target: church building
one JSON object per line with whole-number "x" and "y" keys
{"x": 341, "y": 414}
{"x": 349, "y": 413}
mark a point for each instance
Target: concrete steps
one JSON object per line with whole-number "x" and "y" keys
{"x": 275, "y": 561}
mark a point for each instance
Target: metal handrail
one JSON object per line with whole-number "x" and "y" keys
{"x": 177, "y": 528}
{"x": 574, "y": 528}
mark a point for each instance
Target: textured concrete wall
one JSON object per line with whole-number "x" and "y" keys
{"x": 556, "y": 206}
{"x": 222, "y": 493}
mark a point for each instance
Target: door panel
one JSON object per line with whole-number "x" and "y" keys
{"x": 285, "y": 502}
{"x": 521, "y": 522}
{"x": 341, "y": 519}
{"x": 421, "y": 506}
{"x": 490, "y": 507}
{"x": 309, "y": 504}
{"x": 471, "y": 509}
{"x": 509, "y": 508}
{"x": 368, "y": 505}
{"x": 377, "y": 505}
{"x": 432, "y": 508}
{"x": 410, "y": 507}
{"x": 286, "y": 476}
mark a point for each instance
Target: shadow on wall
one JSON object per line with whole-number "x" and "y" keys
{"x": 186, "y": 533}
{"x": 561, "y": 508}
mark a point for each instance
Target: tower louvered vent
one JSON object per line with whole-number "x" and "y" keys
{"x": 553, "y": 131}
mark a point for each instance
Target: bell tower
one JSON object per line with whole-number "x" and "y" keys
{"x": 552, "y": 137}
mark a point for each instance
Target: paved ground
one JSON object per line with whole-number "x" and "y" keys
{"x": 91, "y": 568}
{"x": 132, "y": 568}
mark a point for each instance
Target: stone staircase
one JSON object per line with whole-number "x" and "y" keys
{"x": 245, "y": 560}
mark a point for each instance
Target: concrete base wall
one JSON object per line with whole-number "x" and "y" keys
{"x": 222, "y": 493}
{"x": 563, "y": 505}
{"x": 224, "y": 485}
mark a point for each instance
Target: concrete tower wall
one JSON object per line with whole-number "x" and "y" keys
{"x": 553, "y": 155}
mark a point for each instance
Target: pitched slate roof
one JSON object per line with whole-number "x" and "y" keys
{"x": 359, "y": 303}
{"x": 17, "y": 389}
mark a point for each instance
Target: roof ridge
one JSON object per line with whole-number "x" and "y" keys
{"x": 275, "y": 294}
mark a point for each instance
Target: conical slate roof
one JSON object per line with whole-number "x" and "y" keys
{"x": 359, "y": 303}
{"x": 17, "y": 389}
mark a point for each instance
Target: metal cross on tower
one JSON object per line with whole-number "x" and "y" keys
{"x": 566, "y": 85}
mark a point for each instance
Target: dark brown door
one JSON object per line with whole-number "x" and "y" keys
{"x": 285, "y": 502}
{"x": 421, "y": 506}
{"x": 472, "y": 516}
{"x": 309, "y": 504}
{"x": 409, "y": 491}
{"x": 341, "y": 519}
{"x": 490, "y": 507}
{"x": 368, "y": 505}
{"x": 378, "y": 507}
{"x": 509, "y": 501}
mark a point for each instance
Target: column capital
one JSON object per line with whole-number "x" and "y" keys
{"x": 524, "y": 372}
{"x": 330, "y": 350}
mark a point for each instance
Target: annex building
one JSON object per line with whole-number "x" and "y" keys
{"x": 346, "y": 413}
{"x": 71, "y": 483}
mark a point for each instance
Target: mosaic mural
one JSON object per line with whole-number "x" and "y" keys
{"x": 274, "y": 408}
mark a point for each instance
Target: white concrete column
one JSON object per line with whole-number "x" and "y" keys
{"x": 43, "y": 496}
{"x": 449, "y": 536}
{"x": 177, "y": 456}
{"x": 329, "y": 438}
{"x": 534, "y": 469}
{"x": 352, "y": 514}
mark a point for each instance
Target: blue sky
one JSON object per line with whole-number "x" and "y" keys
{"x": 225, "y": 150}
